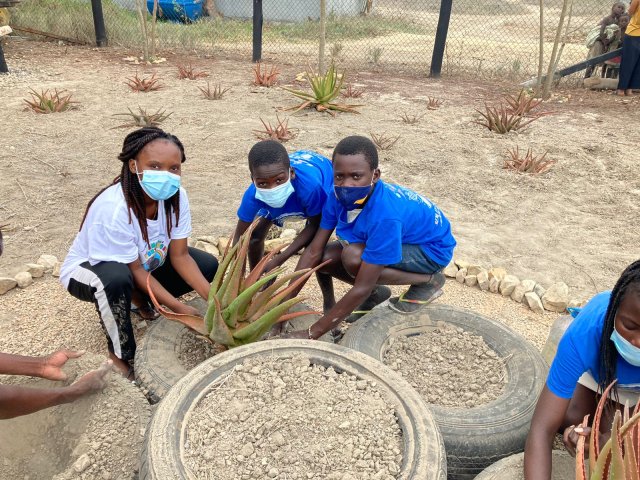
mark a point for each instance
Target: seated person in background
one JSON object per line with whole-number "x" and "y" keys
{"x": 387, "y": 235}
{"x": 601, "y": 345}
{"x": 17, "y": 400}
{"x": 283, "y": 187}
{"x": 599, "y": 39}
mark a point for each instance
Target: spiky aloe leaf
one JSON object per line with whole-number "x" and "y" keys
{"x": 261, "y": 300}
{"x": 284, "y": 293}
{"x": 220, "y": 332}
{"x": 581, "y": 471}
{"x": 258, "y": 270}
{"x": 239, "y": 305}
{"x": 257, "y": 329}
{"x": 617, "y": 459}
{"x": 594, "y": 443}
{"x": 222, "y": 269}
{"x": 192, "y": 321}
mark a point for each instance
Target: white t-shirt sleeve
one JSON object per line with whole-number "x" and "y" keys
{"x": 183, "y": 229}
{"x": 112, "y": 239}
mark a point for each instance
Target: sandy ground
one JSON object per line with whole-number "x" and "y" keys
{"x": 572, "y": 224}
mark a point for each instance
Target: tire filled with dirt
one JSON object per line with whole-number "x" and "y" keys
{"x": 169, "y": 350}
{"x": 475, "y": 434}
{"x": 290, "y": 409}
{"x": 96, "y": 437}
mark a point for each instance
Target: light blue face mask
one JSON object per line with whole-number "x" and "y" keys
{"x": 626, "y": 350}
{"x": 275, "y": 197}
{"x": 159, "y": 185}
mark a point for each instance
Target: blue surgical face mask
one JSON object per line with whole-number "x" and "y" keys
{"x": 159, "y": 185}
{"x": 626, "y": 349}
{"x": 275, "y": 197}
{"x": 353, "y": 197}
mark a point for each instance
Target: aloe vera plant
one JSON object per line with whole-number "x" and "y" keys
{"x": 325, "y": 88}
{"x": 619, "y": 458}
{"x": 243, "y": 306}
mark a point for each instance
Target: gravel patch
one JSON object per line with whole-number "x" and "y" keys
{"x": 194, "y": 350}
{"x": 462, "y": 370}
{"x": 292, "y": 420}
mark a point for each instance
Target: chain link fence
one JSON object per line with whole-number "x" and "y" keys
{"x": 486, "y": 37}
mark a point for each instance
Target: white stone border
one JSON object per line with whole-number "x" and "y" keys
{"x": 495, "y": 280}
{"x": 528, "y": 292}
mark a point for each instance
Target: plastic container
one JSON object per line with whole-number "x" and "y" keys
{"x": 557, "y": 330}
{"x": 184, "y": 11}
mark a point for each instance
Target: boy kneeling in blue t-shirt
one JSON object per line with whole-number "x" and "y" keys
{"x": 284, "y": 187}
{"x": 388, "y": 235}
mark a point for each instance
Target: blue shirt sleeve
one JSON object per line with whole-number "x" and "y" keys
{"x": 567, "y": 367}
{"x": 249, "y": 206}
{"x": 329, "y": 219}
{"x": 384, "y": 243}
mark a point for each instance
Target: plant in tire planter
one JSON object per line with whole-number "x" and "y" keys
{"x": 474, "y": 437}
{"x": 191, "y": 432}
{"x": 241, "y": 307}
{"x": 619, "y": 458}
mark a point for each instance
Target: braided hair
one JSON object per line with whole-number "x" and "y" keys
{"x": 629, "y": 282}
{"x": 131, "y": 188}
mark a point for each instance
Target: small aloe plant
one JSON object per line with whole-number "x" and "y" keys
{"x": 325, "y": 88}
{"x": 619, "y": 458}
{"x": 243, "y": 307}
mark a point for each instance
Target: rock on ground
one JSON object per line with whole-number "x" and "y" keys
{"x": 556, "y": 298}
{"x": 508, "y": 285}
{"x": 24, "y": 279}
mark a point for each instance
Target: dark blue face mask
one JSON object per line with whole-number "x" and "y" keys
{"x": 353, "y": 197}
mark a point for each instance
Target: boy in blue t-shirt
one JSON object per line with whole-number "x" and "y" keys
{"x": 388, "y": 235}
{"x": 284, "y": 186}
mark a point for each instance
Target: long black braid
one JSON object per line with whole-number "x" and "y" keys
{"x": 133, "y": 193}
{"x": 628, "y": 282}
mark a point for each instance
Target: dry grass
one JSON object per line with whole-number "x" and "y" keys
{"x": 144, "y": 84}
{"x": 143, "y": 118}
{"x": 215, "y": 93}
{"x": 280, "y": 131}
{"x": 384, "y": 141}
{"x": 529, "y": 163}
{"x": 187, "y": 72}
{"x": 264, "y": 76}
{"x": 47, "y": 101}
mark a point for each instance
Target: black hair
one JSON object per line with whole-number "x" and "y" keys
{"x": 133, "y": 193}
{"x": 629, "y": 282}
{"x": 268, "y": 152}
{"x": 355, "y": 145}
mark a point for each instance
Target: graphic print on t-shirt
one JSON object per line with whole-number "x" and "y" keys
{"x": 154, "y": 257}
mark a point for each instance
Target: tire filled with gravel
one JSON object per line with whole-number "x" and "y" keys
{"x": 462, "y": 371}
{"x": 294, "y": 410}
{"x": 291, "y": 419}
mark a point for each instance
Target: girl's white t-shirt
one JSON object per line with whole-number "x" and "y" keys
{"x": 108, "y": 236}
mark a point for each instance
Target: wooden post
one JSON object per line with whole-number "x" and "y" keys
{"x": 323, "y": 35}
{"x": 98, "y": 23}
{"x": 441, "y": 38}
{"x": 257, "y": 30}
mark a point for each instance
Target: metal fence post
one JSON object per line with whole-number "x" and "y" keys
{"x": 441, "y": 38}
{"x": 257, "y": 30}
{"x": 98, "y": 23}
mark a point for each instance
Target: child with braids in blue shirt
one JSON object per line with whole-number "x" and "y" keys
{"x": 600, "y": 346}
{"x": 137, "y": 225}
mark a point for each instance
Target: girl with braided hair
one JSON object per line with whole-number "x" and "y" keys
{"x": 600, "y": 346}
{"x": 138, "y": 224}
